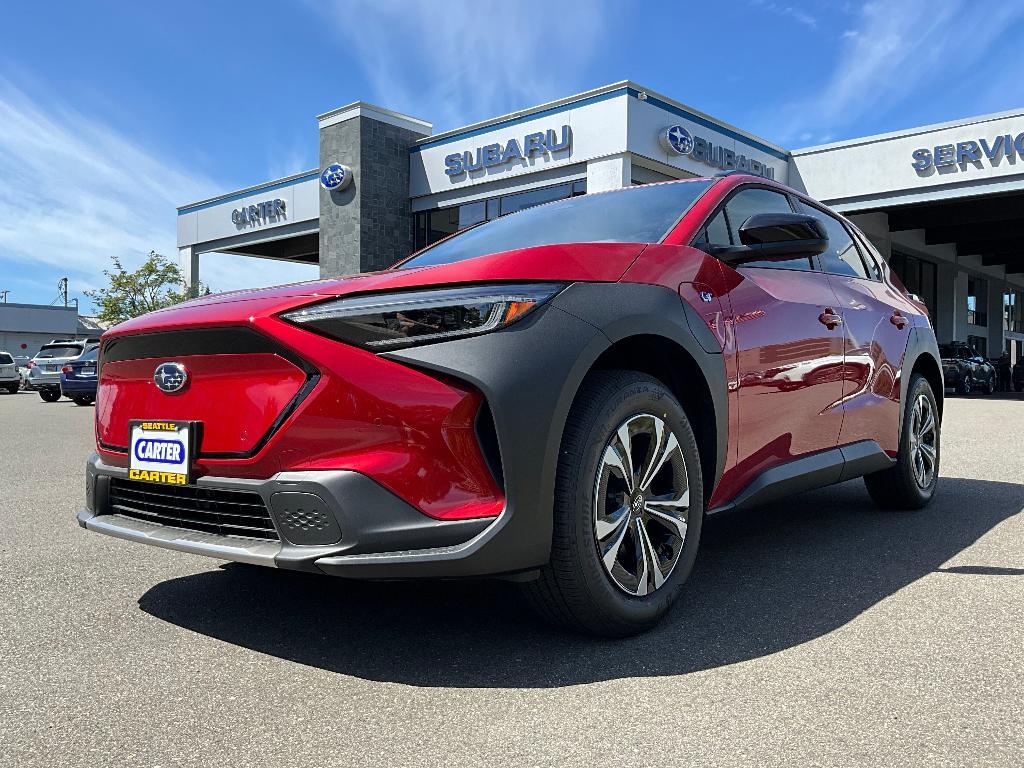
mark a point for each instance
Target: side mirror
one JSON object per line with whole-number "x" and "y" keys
{"x": 776, "y": 235}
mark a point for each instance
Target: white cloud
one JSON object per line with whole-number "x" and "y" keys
{"x": 465, "y": 60}
{"x": 783, "y": 9}
{"x": 76, "y": 192}
{"x": 892, "y": 50}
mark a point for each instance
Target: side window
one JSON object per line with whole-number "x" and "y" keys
{"x": 842, "y": 256}
{"x": 748, "y": 202}
{"x": 871, "y": 256}
{"x": 715, "y": 232}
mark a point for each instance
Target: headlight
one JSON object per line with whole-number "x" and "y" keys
{"x": 389, "y": 321}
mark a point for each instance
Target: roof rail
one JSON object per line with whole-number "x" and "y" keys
{"x": 728, "y": 173}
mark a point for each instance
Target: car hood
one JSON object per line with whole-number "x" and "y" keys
{"x": 594, "y": 262}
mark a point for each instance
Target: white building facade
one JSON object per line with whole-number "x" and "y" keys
{"x": 943, "y": 203}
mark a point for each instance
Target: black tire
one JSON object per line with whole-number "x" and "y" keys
{"x": 82, "y": 400}
{"x": 13, "y": 389}
{"x": 576, "y": 590}
{"x": 991, "y": 388}
{"x": 965, "y": 386}
{"x": 49, "y": 395}
{"x": 1018, "y": 387}
{"x": 899, "y": 487}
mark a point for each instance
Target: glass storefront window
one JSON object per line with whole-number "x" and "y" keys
{"x": 977, "y": 298}
{"x": 918, "y": 276}
{"x": 1013, "y": 311}
{"x": 432, "y": 226}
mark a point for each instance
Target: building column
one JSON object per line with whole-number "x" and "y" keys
{"x": 995, "y": 317}
{"x": 947, "y": 309}
{"x": 368, "y": 225}
{"x": 607, "y": 173}
{"x": 189, "y": 257}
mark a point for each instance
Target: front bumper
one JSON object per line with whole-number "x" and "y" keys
{"x": 380, "y": 535}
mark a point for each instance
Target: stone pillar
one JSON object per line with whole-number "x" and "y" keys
{"x": 368, "y": 225}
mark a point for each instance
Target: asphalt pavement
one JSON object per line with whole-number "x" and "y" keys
{"x": 818, "y": 631}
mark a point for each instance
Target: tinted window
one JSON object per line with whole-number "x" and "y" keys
{"x": 91, "y": 354}
{"x": 637, "y": 215}
{"x": 748, "y": 202}
{"x": 5, "y": 359}
{"x": 871, "y": 255}
{"x": 842, "y": 256}
{"x": 715, "y": 232}
{"x": 48, "y": 352}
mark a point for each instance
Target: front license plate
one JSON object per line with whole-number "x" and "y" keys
{"x": 161, "y": 451}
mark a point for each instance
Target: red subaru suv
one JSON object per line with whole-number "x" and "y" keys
{"x": 559, "y": 397}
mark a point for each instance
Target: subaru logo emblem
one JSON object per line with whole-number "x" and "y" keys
{"x": 170, "y": 377}
{"x": 335, "y": 177}
{"x": 676, "y": 140}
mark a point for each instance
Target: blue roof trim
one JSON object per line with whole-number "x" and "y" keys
{"x": 625, "y": 90}
{"x": 247, "y": 193}
{"x": 715, "y": 127}
{"x": 524, "y": 118}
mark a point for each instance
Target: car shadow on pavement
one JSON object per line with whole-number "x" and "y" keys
{"x": 766, "y": 580}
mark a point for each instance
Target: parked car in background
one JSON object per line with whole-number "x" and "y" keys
{"x": 1018, "y": 375}
{"x": 965, "y": 370}
{"x": 44, "y": 368}
{"x": 78, "y": 378}
{"x": 10, "y": 379}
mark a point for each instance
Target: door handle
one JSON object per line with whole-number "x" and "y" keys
{"x": 898, "y": 319}
{"x": 829, "y": 318}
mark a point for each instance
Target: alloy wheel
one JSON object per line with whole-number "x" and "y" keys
{"x": 641, "y": 504}
{"x": 924, "y": 441}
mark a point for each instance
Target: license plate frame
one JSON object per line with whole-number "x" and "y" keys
{"x": 162, "y": 451}
{"x": 87, "y": 372}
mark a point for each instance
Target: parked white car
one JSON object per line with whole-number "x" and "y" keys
{"x": 10, "y": 379}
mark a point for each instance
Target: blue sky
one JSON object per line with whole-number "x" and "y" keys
{"x": 112, "y": 114}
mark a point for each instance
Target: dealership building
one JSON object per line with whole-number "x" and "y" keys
{"x": 943, "y": 203}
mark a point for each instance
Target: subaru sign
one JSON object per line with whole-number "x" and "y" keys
{"x": 503, "y": 153}
{"x": 678, "y": 141}
{"x": 335, "y": 177}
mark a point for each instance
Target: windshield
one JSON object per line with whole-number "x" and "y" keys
{"x": 61, "y": 351}
{"x": 642, "y": 214}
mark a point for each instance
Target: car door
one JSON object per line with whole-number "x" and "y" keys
{"x": 876, "y": 323}
{"x": 787, "y": 383}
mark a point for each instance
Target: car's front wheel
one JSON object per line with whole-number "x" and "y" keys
{"x": 629, "y": 505}
{"x": 965, "y": 385}
{"x": 49, "y": 395}
{"x": 910, "y": 483}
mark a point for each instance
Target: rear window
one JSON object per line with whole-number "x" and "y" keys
{"x": 58, "y": 351}
{"x": 5, "y": 359}
{"x": 90, "y": 355}
{"x": 642, "y": 214}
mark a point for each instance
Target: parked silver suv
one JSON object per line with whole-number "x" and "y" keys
{"x": 10, "y": 379}
{"x": 44, "y": 369}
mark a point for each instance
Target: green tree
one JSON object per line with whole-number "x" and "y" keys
{"x": 158, "y": 283}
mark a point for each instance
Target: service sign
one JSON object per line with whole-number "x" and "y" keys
{"x": 161, "y": 451}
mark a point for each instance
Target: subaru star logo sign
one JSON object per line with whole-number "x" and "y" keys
{"x": 335, "y": 177}
{"x": 676, "y": 140}
{"x": 170, "y": 377}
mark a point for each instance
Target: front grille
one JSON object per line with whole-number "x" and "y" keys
{"x": 211, "y": 510}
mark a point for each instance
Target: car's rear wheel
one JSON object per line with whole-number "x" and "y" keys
{"x": 49, "y": 395}
{"x": 82, "y": 400}
{"x": 990, "y": 389}
{"x": 628, "y": 508}
{"x": 13, "y": 388}
{"x": 910, "y": 483}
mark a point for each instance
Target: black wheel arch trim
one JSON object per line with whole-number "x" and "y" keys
{"x": 921, "y": 343}
{"x": 530, "y": 373}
